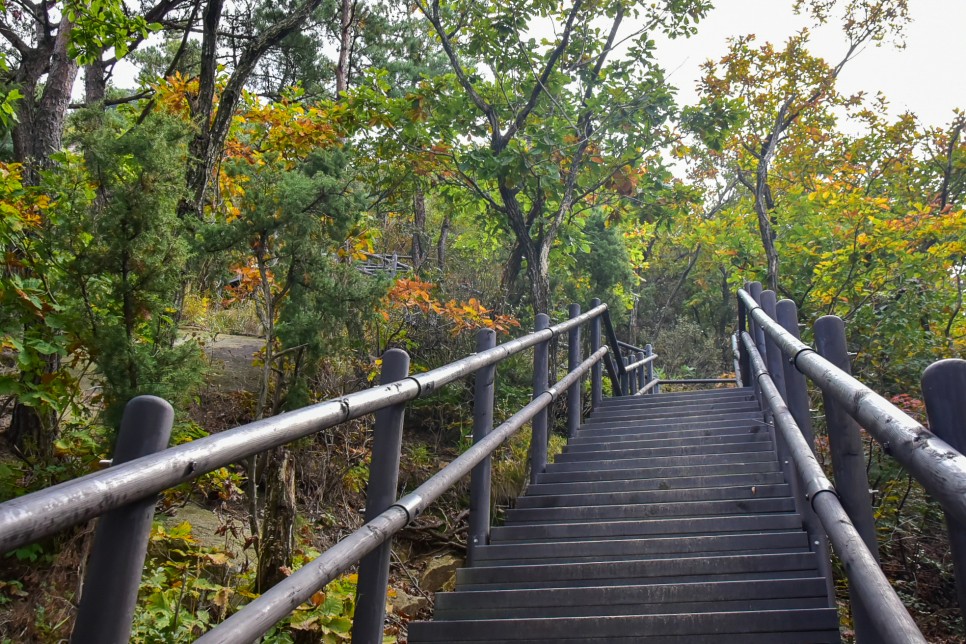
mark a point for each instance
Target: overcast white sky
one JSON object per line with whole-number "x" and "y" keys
{"x": 928, "y": 77}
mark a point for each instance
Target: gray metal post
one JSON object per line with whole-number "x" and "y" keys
{"x": 483, "y": 386}
{"x": 631, "y": 375}
{"x": 773, "y": 355}
{"x": 796, "y": 398}
{"x": 744, "y": 365}
{"x": 757, "y": 333}
{"x": 539, "y": 435}
{"x": 641, "y": 374}
{"x": 110, "y": 591}
{"x": 573, "y": 361}
{"x": 848, "y": 461}
{"x": 649, "y": 374}
{"x": 596, "y": 373}
{"x": 625, "y": 376}
{"x": 944, "y": 392}
{"x": 370, "y": 614}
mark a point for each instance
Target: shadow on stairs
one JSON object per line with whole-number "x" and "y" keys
{"x": 667, "y": 519}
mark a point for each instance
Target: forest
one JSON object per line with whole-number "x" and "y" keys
{"x": 240, "y": 206}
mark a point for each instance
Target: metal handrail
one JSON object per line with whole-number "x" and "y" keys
{"x": 641, "y": 363}
{"x": 939, "y": 467}
{"x": 45, "y": 512}
{"x": 261, "y": 614}
{"x": 893, "y": 622}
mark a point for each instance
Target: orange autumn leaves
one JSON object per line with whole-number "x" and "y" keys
{"x": 414, "y": 295}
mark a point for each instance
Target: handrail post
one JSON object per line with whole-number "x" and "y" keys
{"x": 573, "y": 361}
{"x": 630, "y": 378}
{"x": 110, "y": 590}
{"x": 773, "y": 361}
{"x": 944, "y": 392}
{"x": 649, "y": 351}
{"x": 744, "y": 363}
{"x": 539, "y": 435}
{"x": 596, "y": 372}
{"x": 640, "y": 371}
{"x": 370, "y": 613}
{"x": 848, "y": 461}
{"x": 756, "y": 332}
{"x": 483, "y": 387}
{"x": 796, "y": 398}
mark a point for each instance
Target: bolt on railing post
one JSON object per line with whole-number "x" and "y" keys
{"x": 539, "y": 435}
{"x": 483, "y": 387}
{"x": 370, "y": 613}
{"x": 944, "y": 392}
{"x": 110, "y": 591}
{"x": 596, "y": 372}
{"x": 573, "y": 361}
{"x": 744, "y": 363}
{"x": 796, "y": 390}
{"x": 649, "y": 374}
{"x": 848, "y": 461}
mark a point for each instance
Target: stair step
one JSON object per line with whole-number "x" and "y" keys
{"x": 702, "y": 597}
{"x": 753, "y": 427}
{"x": 675, "y": 411}
{"x": 673, "y": 439}
{"x": 593, "y": 427}
{"x": 677, "y": 450}
{"x": 625, "y": 572}
{"x": 678, "y": 397}
{"x": 502, "y": 554}
{"x": 643, "y": 485}
{"x": 658, "y": 527}
{"x": 656, "y": 510}
{"x": 809, "y": 625}
{"x": 649, "y": 497}
{"x": 669, "y": 471}
{"x": 663, "y": 461}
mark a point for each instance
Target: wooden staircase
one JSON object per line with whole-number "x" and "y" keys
{"x": 667, "y": 519}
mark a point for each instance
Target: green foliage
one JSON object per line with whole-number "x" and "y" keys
{"x": 103, "y": 24}
{"x": 125, "y": 252}
{"x": 189, "y": 587}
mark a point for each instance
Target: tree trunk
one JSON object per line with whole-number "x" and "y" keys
{"x": 441, "y": 244}
{"x": 38, "y": 136}
{"x": 419, "y": 229}
{"x": 95, "y": 82}
{"x": 277, "y": 540}
{"x": 345, "y": 46}
{"x": 538, "y": 270}
{"x": 765, "y": 228}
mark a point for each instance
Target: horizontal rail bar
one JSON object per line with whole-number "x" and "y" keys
{"x": 45, "y": 512}
{"x": 625, "y": 345}
{"x": 261, "y": 614}
{"x": 892, "y": 619}
{"x": 699, "y": 381}
{"x": 932, "y": 461}
{"x": 646, "y": 388}
{"x": 642, "y": 363}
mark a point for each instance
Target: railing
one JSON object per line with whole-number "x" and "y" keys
{"x": 124, "y": 494}
{"x": 771, "y": 358}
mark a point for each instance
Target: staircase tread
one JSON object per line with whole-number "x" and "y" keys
{"x": 665, "y": 520}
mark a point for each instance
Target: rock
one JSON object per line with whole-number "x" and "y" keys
{"x": 439, "y": 572}
{"x": 407, "y": 605}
